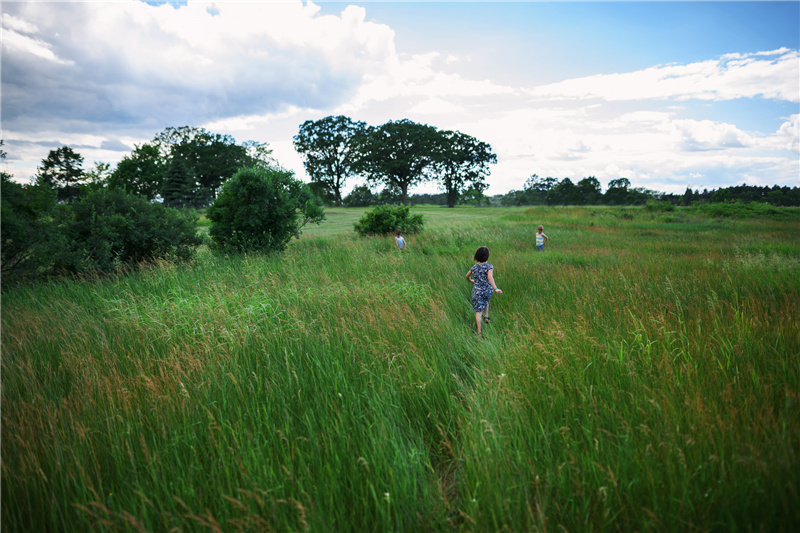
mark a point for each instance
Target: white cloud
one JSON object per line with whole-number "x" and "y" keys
{"x": 434, "y": 106}
{"x": 788, "y": 136}
{"x": 766, "y": 75}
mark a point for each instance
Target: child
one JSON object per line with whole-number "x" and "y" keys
{"x": 481, "y": 275}
{"x": 400, "y": 241}
{"x": 541, "y": 239}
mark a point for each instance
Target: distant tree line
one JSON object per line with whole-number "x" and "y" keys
{"x": 551, "y": 191}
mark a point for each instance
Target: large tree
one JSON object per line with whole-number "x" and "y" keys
{"x": 617, "y": 192}
{"x": 327, "y": 149}
{"x": 565, "y": 193}
{"x": 62, "y": 170}
{"x": 462, "y": 163}
{"x": 398, "y": 154}
{"x": 141, "y": 173}
{"x": 536, "y": 189}
{"x": 589, "y": 191}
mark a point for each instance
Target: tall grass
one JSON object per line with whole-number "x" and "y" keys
{"x": 639, "y": 375}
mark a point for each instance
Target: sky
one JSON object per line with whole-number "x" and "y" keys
{"x": 667, "y": 94}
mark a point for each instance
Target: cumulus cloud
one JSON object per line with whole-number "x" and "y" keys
{"x": 95, "y": 64}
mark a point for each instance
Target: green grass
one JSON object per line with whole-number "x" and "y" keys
{"x": 641, "y": 374}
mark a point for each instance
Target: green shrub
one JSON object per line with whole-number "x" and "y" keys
{"x": 658, "y": 205}
{"x": 385, "y": 219}
{"x": 261, "y": 209}
{"x": 110, "y": 228}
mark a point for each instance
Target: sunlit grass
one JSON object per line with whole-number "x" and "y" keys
{"x": 638, "y": 375}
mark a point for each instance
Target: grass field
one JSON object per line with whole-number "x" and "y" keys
{"x": 642, "y": 374}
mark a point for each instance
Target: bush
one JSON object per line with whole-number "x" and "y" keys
{"x": 261, "y": 209}
{"x": 110, "y": 228}
{"x": 658, "y": 205}
{"x": 386, "y": 219}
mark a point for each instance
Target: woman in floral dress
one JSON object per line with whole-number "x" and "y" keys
{"x": 481, "y": 275}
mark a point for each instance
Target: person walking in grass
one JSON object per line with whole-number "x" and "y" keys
{"x": 481, "y": 275}
{"x": 541, "y": 239}
{"x": 399, "y": 240}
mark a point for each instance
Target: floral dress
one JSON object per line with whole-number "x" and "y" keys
{"x": 482, "y": 290}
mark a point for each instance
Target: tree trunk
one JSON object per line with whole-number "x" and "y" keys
{"x": 452, "y": 195}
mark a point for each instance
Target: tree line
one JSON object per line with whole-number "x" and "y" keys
{"x": 551, "y": 191}
{"x": 182, "y": 167}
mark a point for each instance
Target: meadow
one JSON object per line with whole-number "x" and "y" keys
{"x": 642, "y": 374}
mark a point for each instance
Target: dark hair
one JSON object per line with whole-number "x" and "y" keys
{"x": 482, "y": 254}
{"x": 397, "y": 232}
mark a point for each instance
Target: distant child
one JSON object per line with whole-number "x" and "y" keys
{"x": 541, "y": 239}
{"x": 481, "y": 275}
{"x": 399, "y": 240}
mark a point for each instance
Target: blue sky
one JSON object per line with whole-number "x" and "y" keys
{"x": 667, "y": 94}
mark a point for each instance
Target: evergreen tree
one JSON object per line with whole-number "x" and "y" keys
{"x": 178, "y": 184}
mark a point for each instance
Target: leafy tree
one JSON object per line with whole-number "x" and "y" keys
{"x": 259, "y": 154}
{"x": 323, "y": 192}
{"x": 360, "y": 196}
{"x": 589, "y": 191}
{"x": 534, "y": 192}
{"x": 109, "y": 229}
{"x": 400, "y": 154}
{"x": 617, "y": 192}
{"x": 178, "y": 184}
{"x": 565, "y": 193}
{"x": 142, "y": 172}
{"x": 62, "y": 170}
{"x": 462, "y": 162}
{"x": 97, "y": 177}
{"x": 327, "y": 148}
{"x": 431, "y": 199}
{"x": 474, "y": 197}
{"x": 391, "y": 194}
{"x": 211, "y": 158}
{"x": 385, "y": 219}
{"x": 261, "y": 209}
{"x": 24, "y": 227}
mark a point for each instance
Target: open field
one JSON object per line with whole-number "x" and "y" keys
{"x": 641, "y": 374}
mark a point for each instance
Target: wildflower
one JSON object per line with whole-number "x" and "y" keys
{"x": 386, "y": 496}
